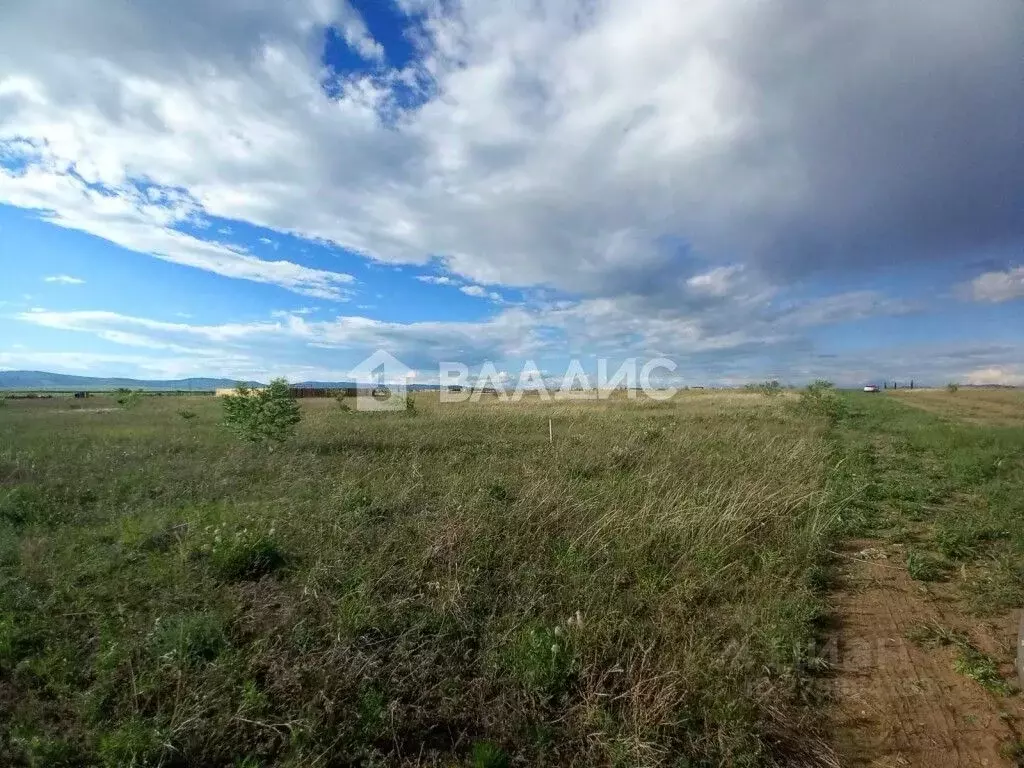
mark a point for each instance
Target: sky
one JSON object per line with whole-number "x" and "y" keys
{"x": 795, "y": 189}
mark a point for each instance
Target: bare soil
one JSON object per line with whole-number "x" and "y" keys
{"x": 902, "y": 703}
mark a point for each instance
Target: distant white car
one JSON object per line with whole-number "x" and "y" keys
{"x": 871, "y": 388}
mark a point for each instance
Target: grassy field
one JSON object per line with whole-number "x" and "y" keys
{"x": 450, "y": 588}
{"x": 945, "y": 476}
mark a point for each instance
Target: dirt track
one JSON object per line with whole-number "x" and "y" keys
{"x": 901, "y": 703}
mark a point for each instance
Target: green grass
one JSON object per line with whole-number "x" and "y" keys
{"x": 969, "y": 662}
{"x": 953, "y": 490}
{"x": 446, "y": 587}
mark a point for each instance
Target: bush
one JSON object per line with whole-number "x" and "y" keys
{"x": 953, "y": 387}
{"x": 262, "y": 415}
{"x": 128, "y": 398}
{"x": 822, "y": 399}
{"x": 769, "y": 388}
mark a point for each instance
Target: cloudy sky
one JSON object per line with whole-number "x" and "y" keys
{"x": 788, "y": 189}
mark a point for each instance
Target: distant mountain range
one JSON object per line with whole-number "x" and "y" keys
{"x": 19, "y": 380}
{"x": 42, "y": 380}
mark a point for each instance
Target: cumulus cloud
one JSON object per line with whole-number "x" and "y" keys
{"x": 1007, "y": 377}
{"x": 579, "y": 145}
{"x": 996, "y": 287}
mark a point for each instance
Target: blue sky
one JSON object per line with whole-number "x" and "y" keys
{"x": 249, "y": 189}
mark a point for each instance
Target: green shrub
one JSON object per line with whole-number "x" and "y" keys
{"x": 267, "y": 415}
{"x": 241, "y": 555}
{"x": 822, "y": 399}
{"x": 128, "y": 398}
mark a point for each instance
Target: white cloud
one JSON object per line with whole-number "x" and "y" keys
{"x": 572, "y": 144}
{"x": 611, "y": 327}
{"x": 717, "y": 282}
{"x": 996, "y": 287}
{"x": 437, "y": 279}
{"x": 1003, "y": 376}
{"x": 64, "y": 279}
{"x": 135, "y": 221}
{"x": 290, "y": 312}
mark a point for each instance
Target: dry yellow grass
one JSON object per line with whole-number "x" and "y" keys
{"x": 991, "y": 407}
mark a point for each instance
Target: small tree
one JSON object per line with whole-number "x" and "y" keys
{"x": 953, "y": 387}
{"x": 128, "y": 398}
{"x": 266, "y": 415}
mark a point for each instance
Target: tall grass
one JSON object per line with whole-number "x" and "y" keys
{"x": 389, "y": 590}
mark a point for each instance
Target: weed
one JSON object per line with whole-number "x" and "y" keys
{"x": 982, "y": 669}
{"x": 498, "y": 492}
{"x": 933, "y": 635}
{"x": 240, "y": 554}
{"x": 187, "y": 415}
{"x": 190, "y": 639}
{"x": 924, "y": 567}
{"x": 134, "y": 743}
{"x": 541, "y": 659}
{"x": 487, "y": 754}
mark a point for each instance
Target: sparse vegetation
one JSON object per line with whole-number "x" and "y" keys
{"x": 924, "y": 567}
{"x": 969, "y": 661}
{"x": 982, "y": 669}
{"x": 770, "y": 388}
{"x": 453, "y": 589}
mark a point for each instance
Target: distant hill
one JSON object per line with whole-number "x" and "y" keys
{"x": 42, "y": 380}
